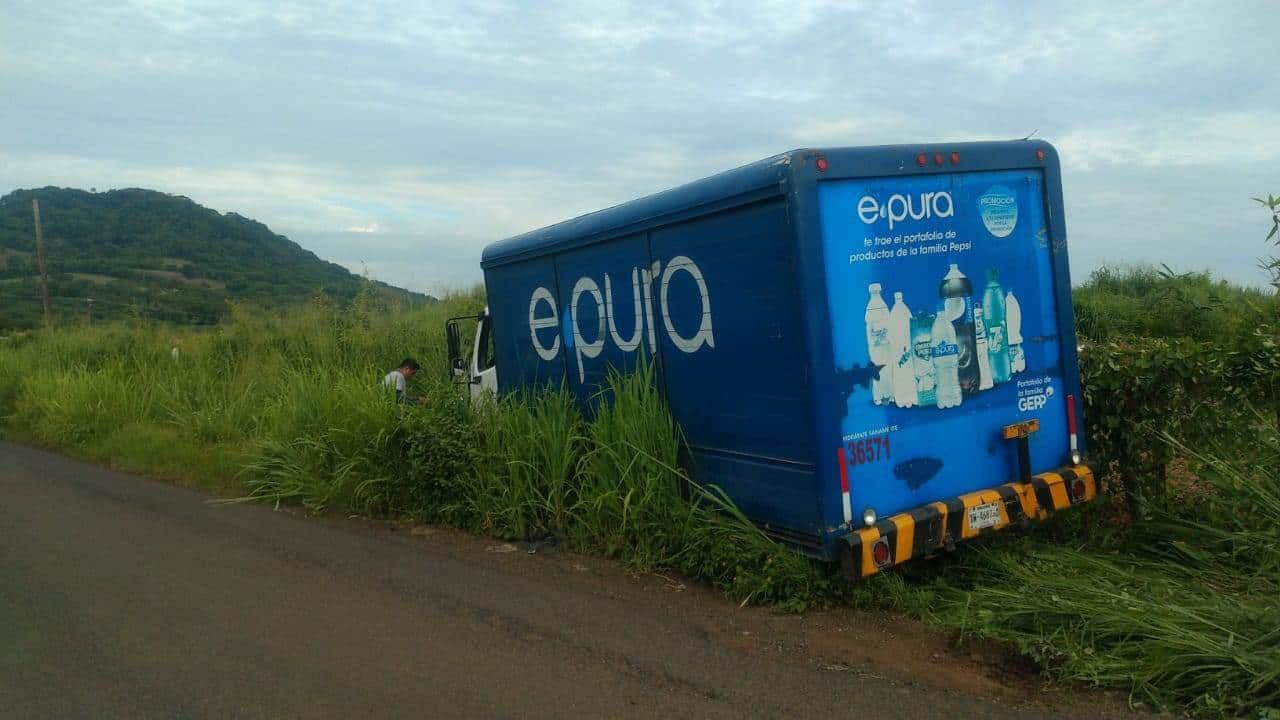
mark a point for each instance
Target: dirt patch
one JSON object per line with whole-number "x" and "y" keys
{"x": 93, "y": 278}
{"x": 179, "y": 277}
{"x": 867, "y": 644}
{"x": 6, "y": 253}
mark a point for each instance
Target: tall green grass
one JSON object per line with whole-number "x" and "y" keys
{"x": 244, "y": 394}
{"x": 1183, "y": 609}
{"x": 1116, "y": 303}
{"x": 612, "y": 484}
{"x": 290, "y": 409}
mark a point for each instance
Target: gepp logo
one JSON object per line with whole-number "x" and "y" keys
{"x": 900, "y": 207}
{"x": 1035, "y": 399}
{"x": 544, "y": 315}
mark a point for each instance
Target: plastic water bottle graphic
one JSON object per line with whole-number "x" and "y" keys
{"x": 1013, "y": 316}
{"x": 957, "y": 296}
{"x": 904, "y": 376}
{"x": 877, "y": 320}
{"x": 922, "y": 362}
{"x": 984, "y": 362}
{"x": 946, "y": 361}
{"x": 997, "y": 332}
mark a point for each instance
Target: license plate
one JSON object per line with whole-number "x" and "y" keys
{"x": 984, "y": 516}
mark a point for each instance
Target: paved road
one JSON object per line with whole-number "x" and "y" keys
{"x": 125, "y": 597}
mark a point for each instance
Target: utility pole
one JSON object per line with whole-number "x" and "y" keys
{"x": 89, "y": 312}
{"x": 40, "y": 263}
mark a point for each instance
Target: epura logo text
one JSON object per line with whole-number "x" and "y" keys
{"x": 544, "y": 314}
{"x": 902, "y": 207}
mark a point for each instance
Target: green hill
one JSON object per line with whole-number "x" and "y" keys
{"x": 142, "y": 252}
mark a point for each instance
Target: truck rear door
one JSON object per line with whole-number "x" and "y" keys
{"x": 941, "y": 293}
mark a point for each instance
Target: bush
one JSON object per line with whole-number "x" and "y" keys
{"x": 440, "y": 446}
{"x": 1139, "y": 390}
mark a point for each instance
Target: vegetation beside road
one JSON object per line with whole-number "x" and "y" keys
{"x": 1168, "y": 587}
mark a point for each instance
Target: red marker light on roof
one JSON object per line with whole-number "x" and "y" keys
{"x": 937, "y": 158}
{"x": 922, "y": 160}
{"x": 1040, "y": 154}
{"x": 821, "y": 164}
{"x": 955, "y": 158}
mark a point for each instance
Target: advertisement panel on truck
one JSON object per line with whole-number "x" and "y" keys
{"x": 944, "y": 330}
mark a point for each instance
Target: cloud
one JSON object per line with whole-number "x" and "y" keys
{"x": 443, "y": 127}
{"x": 1213, "y": 140}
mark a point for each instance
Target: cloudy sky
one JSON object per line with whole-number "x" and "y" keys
{"x": 402, "y": 138}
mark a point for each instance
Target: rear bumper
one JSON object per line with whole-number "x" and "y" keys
{"x": 928, "y": 528}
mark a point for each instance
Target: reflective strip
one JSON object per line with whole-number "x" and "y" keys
{"x": 1071, "y": 423}
{"x": 869, "y": 538}
{"x": 906, "y": 535}
{"x": 844, "y": 485}
{"x": 1027, "y": 498}
{"x": 1085, "y": 473}
{"x": 923, "y": 530}
{"x": 1058, "y": 491}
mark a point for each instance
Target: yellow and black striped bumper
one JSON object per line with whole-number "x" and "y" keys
{"x": 926, "y": 529}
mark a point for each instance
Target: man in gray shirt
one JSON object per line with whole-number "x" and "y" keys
{"x": 398, "y": 379}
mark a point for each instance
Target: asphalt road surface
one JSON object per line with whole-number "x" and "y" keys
{"x": 127, "y": 597}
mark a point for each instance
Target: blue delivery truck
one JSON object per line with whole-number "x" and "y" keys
{"x": 870, "y": 350}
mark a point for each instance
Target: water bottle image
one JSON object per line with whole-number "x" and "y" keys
{"x": 984, "y": 362}
{"x": 1013, "y": 316}
{"x": 957, "y": 294}
{"x": 922, "y": 349}
{"x": 877, "y": 320}
{"x": 904, "y": 377}
{"x": 997, "y": 332}
{"x": 946, "y": 360}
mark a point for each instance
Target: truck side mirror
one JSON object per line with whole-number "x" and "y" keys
{"x": 454, "y": 339}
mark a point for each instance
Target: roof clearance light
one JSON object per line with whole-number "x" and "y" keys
{"x": 1040, "y": 154}
{"x": 821, "y": 164}
{"x": 937, "y": 158}
{"x": 955, "y": 158}
{"x": 922, "y": 160}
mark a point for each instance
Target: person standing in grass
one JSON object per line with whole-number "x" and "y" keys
{"x": 399, "y": 378}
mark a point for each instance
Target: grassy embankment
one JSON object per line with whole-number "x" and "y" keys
{"x": 1169, "y": 590}
{"x": 290, "y": 409}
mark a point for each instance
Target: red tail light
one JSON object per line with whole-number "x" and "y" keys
{"x": 1078, "y": 489}
{"x": 880, "y": 552}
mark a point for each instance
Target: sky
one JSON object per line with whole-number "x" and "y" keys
{"x": 400, "y": 139}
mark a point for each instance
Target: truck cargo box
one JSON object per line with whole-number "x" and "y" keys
{"x": 871, "y": 350}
